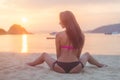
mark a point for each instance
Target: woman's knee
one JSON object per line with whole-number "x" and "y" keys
{"x": 44, "y": 53}
{"x": 87, "y": 54}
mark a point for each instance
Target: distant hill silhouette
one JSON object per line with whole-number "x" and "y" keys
{"x": 15, "y": 29}
{"x": 107, "y": 29}
{"x": 2, "y": 31}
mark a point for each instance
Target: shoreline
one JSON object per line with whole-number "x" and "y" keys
{"x": 53, "y": 53}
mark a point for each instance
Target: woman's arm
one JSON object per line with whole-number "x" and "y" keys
{"x": 80, "y": 50}
{"x": 58, "y": 48}
{"x": 79, "y": 53}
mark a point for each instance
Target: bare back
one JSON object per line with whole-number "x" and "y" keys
{"x": 66, "y": 55}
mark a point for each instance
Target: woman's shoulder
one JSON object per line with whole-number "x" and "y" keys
{"x": 60, "y": 34}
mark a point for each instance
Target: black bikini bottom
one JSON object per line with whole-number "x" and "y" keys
{"x": 67, "y": 66}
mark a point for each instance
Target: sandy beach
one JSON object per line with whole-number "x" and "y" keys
{"x": 13, "y": 67}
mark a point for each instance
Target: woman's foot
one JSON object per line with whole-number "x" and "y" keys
{"x": 102, "y": 65}
{"x": 31, "y": 64}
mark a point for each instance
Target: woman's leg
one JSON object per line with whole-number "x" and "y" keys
{"x": 44, "y": 57}
{"x": 88, "y": 58}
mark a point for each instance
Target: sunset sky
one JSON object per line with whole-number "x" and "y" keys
{"x": 43, "y": 15}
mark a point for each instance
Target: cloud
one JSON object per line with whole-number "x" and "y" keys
{"x": 39, "y": 4}
{"x": 37, "y": 7}
{"x": 48, "y": 9}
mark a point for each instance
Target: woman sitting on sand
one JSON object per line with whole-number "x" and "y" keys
{"x": 69, "y": 44}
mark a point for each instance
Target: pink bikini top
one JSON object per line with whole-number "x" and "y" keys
{"x": 67, "y": 47}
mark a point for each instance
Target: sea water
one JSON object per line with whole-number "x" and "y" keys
{"x": 38, "y": 43}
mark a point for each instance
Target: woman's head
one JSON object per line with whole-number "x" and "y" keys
{"x": 75, "y": 35}
{"x": 66, "y": 18}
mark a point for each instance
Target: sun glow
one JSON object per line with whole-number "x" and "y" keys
{"x": 24, "y": 20}
{"x": 24, "y": 44}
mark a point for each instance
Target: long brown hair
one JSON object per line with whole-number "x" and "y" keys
{"x": 73, "y": 30}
